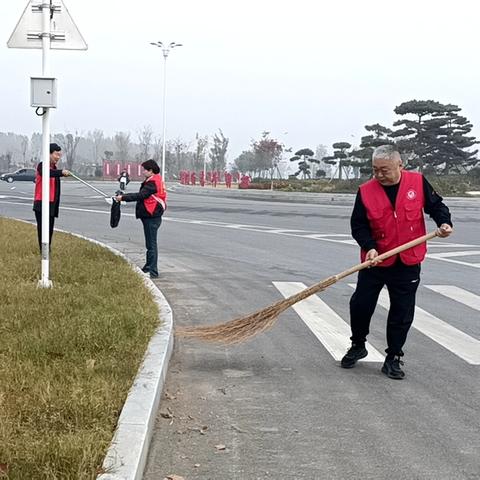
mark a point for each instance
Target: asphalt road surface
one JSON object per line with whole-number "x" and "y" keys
{"x": 279, "y": 406}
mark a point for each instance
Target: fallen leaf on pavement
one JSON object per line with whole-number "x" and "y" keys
{"x": 3, "y": 469}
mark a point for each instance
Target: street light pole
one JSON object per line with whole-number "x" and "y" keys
{"x": 44, "y": 281}
{"x": 165, "y": 50}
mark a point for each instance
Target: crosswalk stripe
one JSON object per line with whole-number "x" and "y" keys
{"x": 451, "y": 338}
{"x": 332, "y": 331}
{"x": 447, "y": 257}
{"x": 458, "y": 294}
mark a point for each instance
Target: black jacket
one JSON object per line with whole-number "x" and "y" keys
{"x": 146, "y": 190}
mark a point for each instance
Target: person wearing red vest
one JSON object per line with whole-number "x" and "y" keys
{"x": 151, "y": 204}
{"x": 388, "y": 212}
{"x": 55, "y": 174}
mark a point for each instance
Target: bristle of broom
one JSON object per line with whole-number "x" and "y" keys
{"x": 243, "y": 328}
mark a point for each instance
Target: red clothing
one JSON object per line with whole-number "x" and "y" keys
{"x": 38, "y": 186}
{"x": 393, "y": 227}
{"x": 160, "y": 197}
{"x": 54, "y": 197}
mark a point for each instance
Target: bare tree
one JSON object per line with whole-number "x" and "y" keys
{"x": 157, "y": 148}
{"x": 24, "y": 147}
{"x": 218, "y": 151}
{"x": 69, "y": 144}
{"x": 145, "y": 137}
{"x": 176, "y": 160}
{"x": 122, "y": 142}
{"x": 200, "y": 152}
{"x": 98, "y": 140}
{"x": 36, "y": 147}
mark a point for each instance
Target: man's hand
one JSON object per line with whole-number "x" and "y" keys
{"x": 444, "y": 230}
{"x": 118, "y": 198}
{"x": 372, "y": 255}
{"x": 66, "y": 173}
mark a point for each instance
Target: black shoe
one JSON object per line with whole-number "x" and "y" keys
{"x": 391, "y": 368}
{"x": 354, "y": 354}
{"x": 153, "y": 275}
{"x": 145, "y": 270}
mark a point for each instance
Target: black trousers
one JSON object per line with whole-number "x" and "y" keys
{"x": 402, "y": 283}
{"x": 150, "y": 229}
{"x": 38, "y": 216}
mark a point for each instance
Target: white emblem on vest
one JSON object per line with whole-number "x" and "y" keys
{"x": 411, "y": 194}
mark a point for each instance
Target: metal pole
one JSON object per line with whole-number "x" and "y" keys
{"x": 165, "y": 55}
{"x": 103, "y": 194}
{"x": 45, "y": 282}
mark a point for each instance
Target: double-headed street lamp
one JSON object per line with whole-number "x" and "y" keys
{"x": 165, "y": 50}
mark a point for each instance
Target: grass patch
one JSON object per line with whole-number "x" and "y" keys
{"x": 445, "y": 185}
{"x": 68, "y": 355}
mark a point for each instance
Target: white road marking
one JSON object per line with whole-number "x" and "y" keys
{"x": 458, "y": 294}
{"x": 442, "y": 244}
{"x": 446, "y": 257}
{"x": 342, "y": 238}
{"x": 332, "y": 331}
{"x": 464, "y": 253}
{"x": 451, "y": 338}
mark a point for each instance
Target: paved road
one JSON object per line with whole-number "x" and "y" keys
{"x": 280, "y": 404}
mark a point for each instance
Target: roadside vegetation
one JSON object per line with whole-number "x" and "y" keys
{"x": 446, "y": 185}
{"x": 68, "y": 355}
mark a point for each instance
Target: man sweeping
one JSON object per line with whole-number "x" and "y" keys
{"x": 388, "y": 212}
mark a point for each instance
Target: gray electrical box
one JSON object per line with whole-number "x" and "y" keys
{"x": 43, "y": 92}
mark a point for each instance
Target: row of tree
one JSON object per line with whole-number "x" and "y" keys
{"x": 81, "y": 150}
{"x": 431, "y": 136}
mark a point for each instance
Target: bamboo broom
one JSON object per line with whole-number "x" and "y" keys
{"x": 243, "y": 328}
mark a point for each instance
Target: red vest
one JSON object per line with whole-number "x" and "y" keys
{"x": 393, "y": 227}
{"x": 160, "y": 197}
{"x": 38, "y": 186}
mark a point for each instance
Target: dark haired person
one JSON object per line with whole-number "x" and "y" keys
{"x": 151, "y": 203}
{"x": 55, "y": 174}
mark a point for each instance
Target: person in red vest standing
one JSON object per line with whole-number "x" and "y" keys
{"x": 151, "y": 204}
{"x": 388, "y": 212}
{"x": 202, "y": 178}
{"x": 55, "y": 174}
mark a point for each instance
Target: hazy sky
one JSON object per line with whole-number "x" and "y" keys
{"x": 319, "y": 70}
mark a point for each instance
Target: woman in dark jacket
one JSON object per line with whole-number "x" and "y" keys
{"x": 151, "y": 203}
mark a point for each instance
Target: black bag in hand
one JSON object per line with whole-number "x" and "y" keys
{"x": 115, "y": 213}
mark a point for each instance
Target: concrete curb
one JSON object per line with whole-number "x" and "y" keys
{"x": 127, "y": 455}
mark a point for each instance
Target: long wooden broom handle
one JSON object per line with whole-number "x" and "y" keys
{"x": 390, "y": 253}
{"x": 318, "y": 287}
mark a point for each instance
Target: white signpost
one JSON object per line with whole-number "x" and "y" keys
{"x": 46, "y": 24}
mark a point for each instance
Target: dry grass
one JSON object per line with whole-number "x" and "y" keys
{"x": 68, "y": 355}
